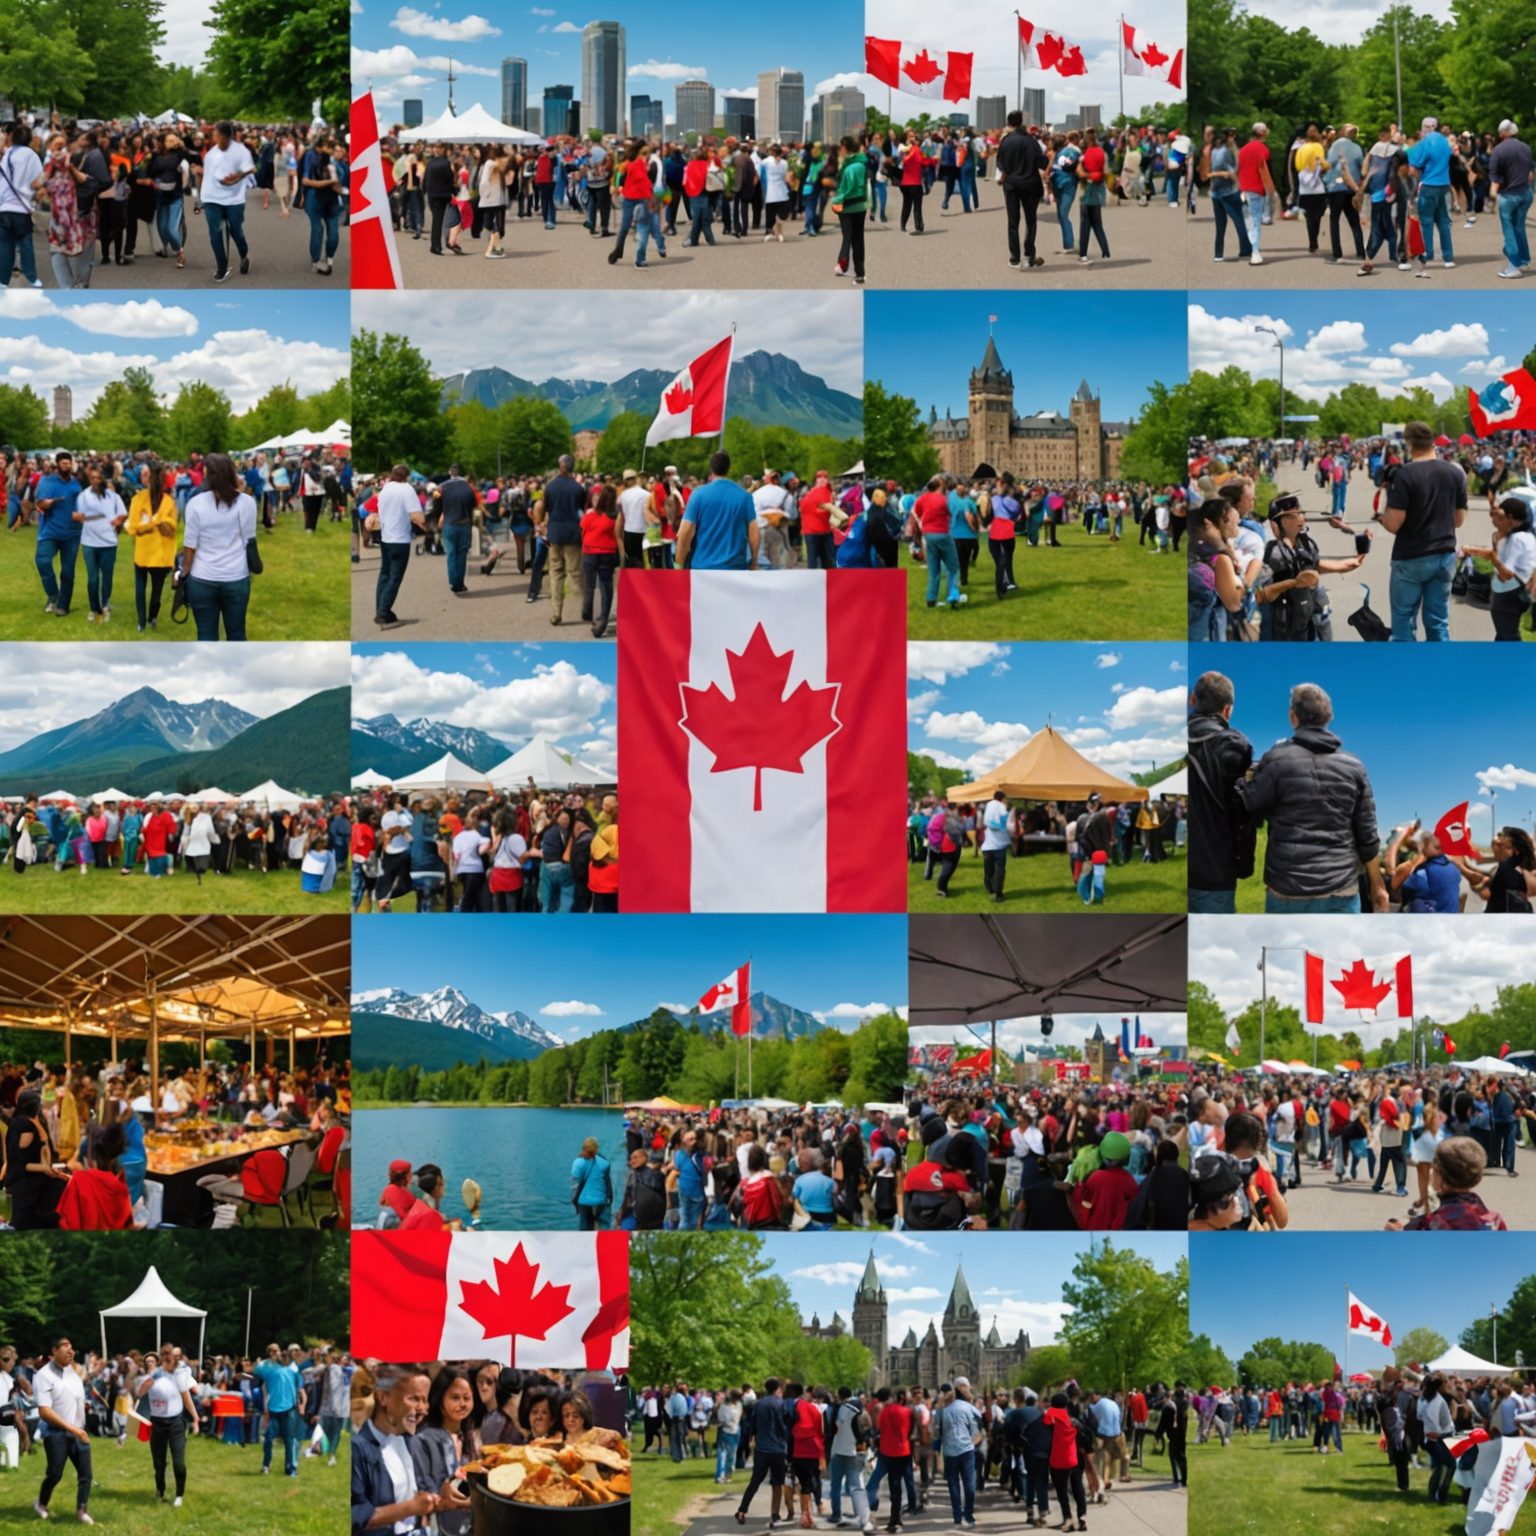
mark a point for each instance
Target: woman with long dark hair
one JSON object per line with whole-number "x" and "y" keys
{"x": 152, "y": 527}
{"x": 220, "y": 529}
{"x": 446, "y": 1440}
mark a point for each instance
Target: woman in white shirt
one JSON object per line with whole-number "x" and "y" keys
{"x": 1513, "y": 554}
{"x": 100, "y": 513}
{"x": 197, "y": 845}
{"x": 469, "y": 849}
{"x": 493, "y": 201}
{"x": 220, "y": 524}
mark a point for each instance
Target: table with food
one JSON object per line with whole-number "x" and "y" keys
{"x": 195, "y": 1147}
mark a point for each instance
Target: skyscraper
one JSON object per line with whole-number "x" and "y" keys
{"x": 63, "y": 406}
{"x": 603, "y": 75}
{"x": 1034, "y": 104}
{"x": 1091, "y": 116}
{"x": 695, "y": 101}
{"x": 557, "y": 110}
{"x": 645, "y": 117}
{"x": 842, "y": 111}
{"x": 991, "y": 113}
{"x": 740, "y": 116}
{"x": 781, "y": 106}
{"x": 410, "y": 112}
{"x": 514, "y": 92}
{"x": 533, "y": 120}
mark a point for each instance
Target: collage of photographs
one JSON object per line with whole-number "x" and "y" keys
{"x": 827, "y": 1184}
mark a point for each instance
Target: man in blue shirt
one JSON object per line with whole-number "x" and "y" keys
{"x": 58, "y": 534}
{"x": 678, "y": 1409}
{"x": 1431, "y": 158}
{"x": 284, "y": 1390}
{"x": 719, "y": 531}
{"x": 771, "y": 1425}
{"x": 1428, "y": 882}
{"x": 690, "y": 1165}
{"x": 814, "y": 1192}
{"x": 960, "y": 1428}
{"x": 1109, "y": 1447}
{"x": 1501, "y": 1112}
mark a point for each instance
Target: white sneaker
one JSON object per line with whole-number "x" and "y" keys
{"x": 1255, "y": 260}
{"x": 767, "y": 237}
{"x": 1447, "y": 263}
{"x": 42, "y": 1509}
{"x": 176, "y": 1502}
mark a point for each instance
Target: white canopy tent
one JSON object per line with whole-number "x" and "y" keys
{"x": 153, "y": 1299}
{"x": 170, "y": 117}
{"x": 216, "y": 797}
{"x": 1464, "y": 1362}
{"x": 368, "y": 779}
{"x": 339, "y": 431}
{"x": 1177, "y": 784}
{"x": 476, "y": 126}
{"x": 109, "y": 796}
{"x": 446, "y": 773}
{"x": 549, "y": 768}
{"x": 273, "y": 796}
{"x": 429, "y": 133}
{"x": 59, "y": 794}
{"x": 1493, "y": 1064}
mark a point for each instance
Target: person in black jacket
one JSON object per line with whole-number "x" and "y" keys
{"x": 1221, "y": 843}
{"x": 1021, "y": 159}
{"x": 1322, "y": 816}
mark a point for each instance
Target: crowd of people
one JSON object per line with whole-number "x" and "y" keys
{"x": 1095, "y": 834}
{"x": 75, "y": 1155}
{"x": 526, "y": 850}
{"x": 935, "y": 1451}
{"x": 1394, "y": 189}
{"x": 1324, "y": 849}
{"x": 1213, "y": 1152}
{"x": 96, "y": 183}
{"x": 1253, "y": 578}
{"x": 59, "y": 1402}
{"x": 193, "y": 526}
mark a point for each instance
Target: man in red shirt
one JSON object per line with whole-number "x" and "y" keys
{"x": 424, "y": 1215}
{"x": 931, "y": 514}
{"x": 894, "y": 1425}
{"x": 158, "y": 831}
{"x": 1136, "y": 1402}
{"x": 816, "y": 524}
{"x": 1256, "y": 184}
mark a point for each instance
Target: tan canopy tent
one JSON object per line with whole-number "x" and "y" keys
{"x": 182, "y": 979}
{"x": 1047, "y": 767}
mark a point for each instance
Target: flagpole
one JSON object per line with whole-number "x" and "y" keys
{"x": 1346, "y": 1336}
{"x": 1263, "y": 994}
{"x": 1019, "y": 67}
{"x": 1120, "y": 60}
{"x": 749, "y": 1023}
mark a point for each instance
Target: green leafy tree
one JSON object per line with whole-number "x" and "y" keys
{"x": 1273, "y": 1360}
{"x": 623, "y": 443}
{"x": 397, "y": 405}
{"x": 277, "y": 56}
{"x": 1046, "y": 1367}
{"x": 121, "y": 39}
{"x": 41, "y": 60}
{"x": 1517, "y": 1328}
{"x": 896, "y": 445}
{"x": 198, "y": 421}
{"x": 1419, "y": 1345}
{"x": 878, "y": 1063}
{"x": 1202, "y": 1363}
{"x": 1157, "y": 447}
{"x": 1421, "y": 44}
{"x": 278, "y": 411}
{"x": 128, "y": 414}
{"x": 1487, "y": 63}
{"x": 1129, "y": 1319}
{"x": 23, "y": 418}
{"x": 831, "y": 1363}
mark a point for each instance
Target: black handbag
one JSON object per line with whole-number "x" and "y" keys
{"x": 253, "y": 558}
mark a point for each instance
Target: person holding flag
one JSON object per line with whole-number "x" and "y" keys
{"x": 171, "y": 1410}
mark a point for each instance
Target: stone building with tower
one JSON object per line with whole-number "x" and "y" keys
{"x": 993, "y": 438}
{"x": 63, "y": 407}
{"x": 961, "y": 1349}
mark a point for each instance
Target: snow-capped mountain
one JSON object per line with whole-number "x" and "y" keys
{"x": 477, "y": 748}
{"x": 512, "y": 1033}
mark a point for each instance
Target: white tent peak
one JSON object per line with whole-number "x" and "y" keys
{"x": 1463, "y": 1361}
{"x": 448, "y": 772}
{"x": 273, "y": 796}
{"x": 549, "y": 768}
{"x": 153, "y": 1298}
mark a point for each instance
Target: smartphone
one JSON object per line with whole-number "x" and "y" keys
{"x": 1362, "y": 543}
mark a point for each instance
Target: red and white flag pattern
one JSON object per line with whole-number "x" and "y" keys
{"x": 1043, "y": 48}
{"x": 1501, "y": 1479}
{"x": 693, "y": 404}
{"x": 1143, "y": 57}
{"x": 1342, "y": 994}
{"x": 1367, "y": 1324}
{"x": 1453, "y": 834}
{"x": 918, "y": 70}
{"x": 375, "y": 261}
{"x": 769, "y": 733}
{"x": 530, "y": 1299}
{"x": 1464, "y": 1443}
{"x": 735, "y": 993}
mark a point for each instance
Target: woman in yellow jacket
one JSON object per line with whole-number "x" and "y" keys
{"x": 152, "y": 525}
{"x": 1149, "y": 826}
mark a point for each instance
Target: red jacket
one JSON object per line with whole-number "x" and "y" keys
{"x": 693, "y": 177}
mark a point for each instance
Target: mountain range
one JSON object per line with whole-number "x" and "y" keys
{"x": 766, "y": 388}
{"x": 388, "y": 747}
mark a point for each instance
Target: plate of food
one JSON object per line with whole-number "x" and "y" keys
{"x": 552, "y": 1487}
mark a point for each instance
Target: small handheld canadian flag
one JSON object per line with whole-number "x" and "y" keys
{"x": 693, "y": 404}
{"x": 735, "y": 993}
{"x": 1367, "y": 1324}
{"x": 1452, "y": 834}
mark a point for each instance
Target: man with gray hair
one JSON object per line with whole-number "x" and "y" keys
{"x": 1431, "y": 159}
{"x": 1317, "y": 801}
{"x": 1509, "y": 177}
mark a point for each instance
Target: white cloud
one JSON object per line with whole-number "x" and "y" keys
{"x": 968, "y": 725}
{"x": 1485, "y": 368}
{"x": 675, "y": 1007}
{"x": 1436, "y": 383}
{"x": 1085, "y": 737}
{"x": 851, "y": 1271}
{"x": 849, "y": 78}
{"x": 1177, "y": 666}
{"x": 357, "y": 10}
{"x": 1458, "y": 340}
{"x": 936, "y": 661}
{"x": 25, "y": 304}
{"x": 132, "y": 317}
{"x": 1336, "y": 354}
{"x": 1506, "y": 778}
{"x": 398, "y": 60}
{"x": 565, "y": 26}
{"x": 916, "y": 1244}
{"x": 1107, "y": 659}
{"x": 1339, "y": 336}
{"x": 745, "y": 92}
{"x": 920, "y": 703}
{"x": 571, "y": 1009}
{"x": 851, "y": 1011}
{"x": 656, "y": 69}
{"x": 416, "y": 23}
{"x": 1148, "y": 706}
{"x": 536, "y": 11}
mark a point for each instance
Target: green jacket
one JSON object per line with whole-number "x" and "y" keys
{"x": 852, "y": 194}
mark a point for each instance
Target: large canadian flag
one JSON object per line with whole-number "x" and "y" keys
{"x": 764, "y": 726}
{"x": 735, "y": 993}
{"x": 1143, "y": 57}
{"x": 1367, "y": 1324}
{"x": 1343, "y": 994}
{"x": 375, "y": 261}
{"x": 534, "y": 1299}
{"x": 918, "y": 70}
{"x": 1043, "y": 48}
{"x": 693, "y": 404}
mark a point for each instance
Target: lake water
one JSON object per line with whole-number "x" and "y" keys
{"x": 520, "y": 1158}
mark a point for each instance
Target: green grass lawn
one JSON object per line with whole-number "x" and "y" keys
{"x": 41, "y": 890}
{"x": 226, "y": 1493}
{"x": 1250, "y": 892}
{"x": 1255, "y": 1489}
{"x": 1089, "y": 589}
{"x": 664, "y": 1489}
{"x": 1043, "y": 883}
{"x": 303, "y": 592}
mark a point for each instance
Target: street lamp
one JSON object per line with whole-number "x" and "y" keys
{"x": 1269, "y": 330}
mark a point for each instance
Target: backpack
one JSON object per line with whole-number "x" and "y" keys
{"x": 1294, "y": 612}
{"x": 883, "y": 1196}
{"x": 863, "y": 1426}
{"x": 650, "y": 1199}
{"x": 1367, "y": 623}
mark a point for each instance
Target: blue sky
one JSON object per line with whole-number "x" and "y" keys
{"x": 1388, "y": 1271}
{"x": 404, "y": 49}
{"x": 1120, "y": 343}
{"x": 918, "y": 1274}
{"x": 973, "y": 704}
{"x": 241, "y": 345}
{"x": 513, "y": 692}
{"x": 841, "y": 966}
{"x": 1388, "y": 340}
{"x": 1457, "y": 729}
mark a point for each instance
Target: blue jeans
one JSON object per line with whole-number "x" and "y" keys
{"x": 1340, "y": 492}
{"x": 725, "y": 1459}
{"x": 1224, "y": 902}
{"x": 99, "y": 563}
{"x": 1357, "y": 1150}
{"x": 59, "y": 592}
{"x": 211, "y": 601}
{"x": 168, "y": 220}
{"x": 394, "y": 561}
{"x": 1503, "y": 1135}
{"x": 1426, "y": 581}
{"x": 1175, "y": 176}
{"x": 285, "y": 1425}
{"x": 1442, "y": 1470}
{"x": 594, "y": 1218}
{"x": 848, "y": 1470}
{"x": 16, "y": 245}
{"x": 456, "y": 540}
{"x": 703, "y": 222}
{"x": 1293, "y": 904}
{"x": 1513, "y": 208}
{"x": 690, "y": 1212}
{"x": 1229, "y": 205}
{"x": 328, "y": 224}
{"x": 221, "y": 216}
{"x": 1065, "y": 197}
{"x": 960, "y": 1474}
{"x": 1255, "y": 202}
{"x": 361, "y": 884}
{"x": 1090, "y": 884}
{"x": 878, "y": 1476}
{"x": 939, "y": 550}
{"x": 557, "y": 887}
{"x": 1435, "y": 213}
{"x": 878, "y": 191}
{"x": 646, "y": 225}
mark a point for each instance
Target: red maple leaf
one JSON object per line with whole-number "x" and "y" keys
{"x": 1358, "y": 1319}
{"x": 1072, "y": 62}
{"x": 1153, "y": 55}
{"x": 921, "y": 69}
{"x": 678, "y": 398}
{"x": 516, "y": 1303}
{"x": 759, "y": 728}
{"x": 1049, "y": 50}
{"x": 362, "y": 199}
{"x": 1358, "y": 987}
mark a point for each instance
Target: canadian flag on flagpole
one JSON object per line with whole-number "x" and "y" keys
{"x": 1045, "y": 49}
{"x": 735, "y": 993}
{"x": 529, "y": 1299}
{"x": 375, "y": 261}
{"x": 1146, "y": 58}
{"x": 757, "y": 711}
{"x": 917, "y": 70}
{"x": 1341, "y": 994}
{"x": 693, "y": 404}
{"x": 1366, "y": 1323}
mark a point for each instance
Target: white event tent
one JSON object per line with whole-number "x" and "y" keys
{"x": 273, "y": 796}
{"x": 446, "y": 773}
{"x": 547, "y": 766}
{"x": 153, "y": 1299}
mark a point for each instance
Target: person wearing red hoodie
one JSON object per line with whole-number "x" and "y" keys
{"x": 638, "y": 193}
{"x": 695, "y": 189}
{"x": 96, "y": 1199}
{"x": 1101, "y": 1200}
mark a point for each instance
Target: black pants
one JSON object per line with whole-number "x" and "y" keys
{"x": 312, "y": 506}
{"x": 898, "y": 1470}
{"x": 601, "y": 209}
{"x": 634, "y": 549}
{"x": 439, "y": 207}
{"x": 1505, "y": 610}
{"x": 853, "y": 240}
{"x": 597, "y": 578}
{"x": 153, "y": 577}
{"x": 994, "y": 865}
{"x": 1002, "y": 562}
{"x": 1025, "y": 200}
{"x": 112, "y": 226}
{"x": 170, "y": 1433}
{"x": 741, "y": 214}
{"x": 1178, "y": 1458}
{"x": 1091, "y": 218}
{"x": 1399, "y": 1460}
{"x": 765, "y": 1464}
{"x": 966, "y": 550}
{"x": 1070, "y": 1480}
{"x": 912, "y": 207}
{"x": 58, "y": 1449}
{"x": 1341, "y": 205}
{"x": 1313, "y": 206}
{"x": 474, "y": 897}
